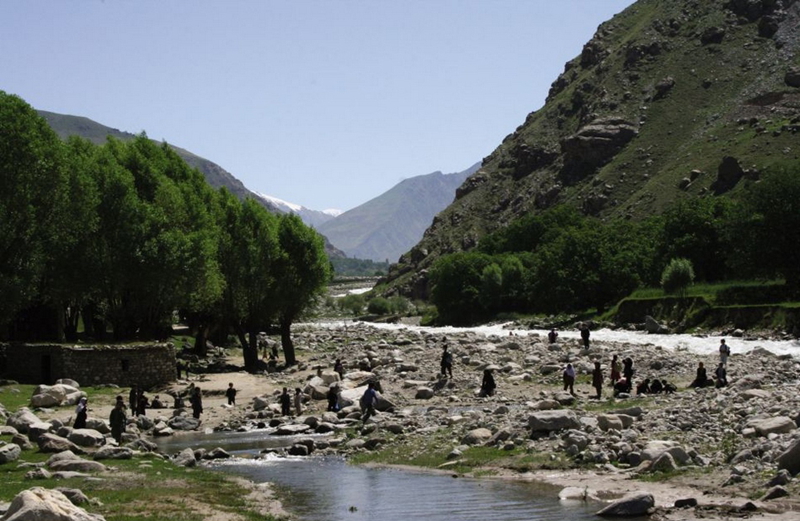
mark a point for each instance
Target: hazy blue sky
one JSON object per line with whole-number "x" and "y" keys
{"x": 321, "y": 103}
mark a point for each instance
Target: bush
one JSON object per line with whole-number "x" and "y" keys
{"x": 677, "y": 277}
{"x": 352, "y": 303}
{"x": 379, "y": 306}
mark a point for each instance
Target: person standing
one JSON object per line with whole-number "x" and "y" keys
{"x": 585, "y": 334}
{"x": 230, "y": 393}
{"x": 569, "y": 379}
{"x": 197, "y": 403}
{"x": 724, "y": 352}
{"x": 597, "y": 379}
{"x": 142, "y": 404}
{"x": 627, "y": 373}
{"x": 552, "y": 336}
{"x": 616, "y": 369}
{"x": 333, "y": 398}
{"x": 298, "y": 401}
{"x": 133, "y": 399}
{"x": 487, "y": 384}
{"x": 81, "y": 411}
{"x": 368, "y": 401}
{"x": 286, "y": 403}
{"x": 338, "y": 368}
{"x": 117, "y": 419}
{"x": 447, "y": 362}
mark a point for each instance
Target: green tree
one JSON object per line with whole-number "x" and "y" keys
{"x": 302, "y": 272}
{"x": 32, "y": 192}
{"x": 677, "y": 277}
{"x": 456, "y": 282}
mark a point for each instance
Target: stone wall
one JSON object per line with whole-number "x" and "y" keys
{"x": 146, "y": 365}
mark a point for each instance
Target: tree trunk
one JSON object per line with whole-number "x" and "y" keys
{"x": 200, "y": 344}
{"x": 249, "y": 350}
{"x": 286, "y": 342}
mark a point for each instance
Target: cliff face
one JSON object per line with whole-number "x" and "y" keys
{"x": 669, "y": 99}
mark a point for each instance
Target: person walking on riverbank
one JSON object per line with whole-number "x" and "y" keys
{"x": 724, "y": 352}
{"x": 597, "y": 379}
{"x": 197, "y": 403}
{"x": 117, "y": 419}
{"x": 368, "y": 401}
{"x": 616, "y": 369}
{"x": 81, "y": 411}
{"x": 230, "y": 394}
{"x": 569, "y": 379}
{"x": 447, "y": 362}
{"x": 286, "y": 403}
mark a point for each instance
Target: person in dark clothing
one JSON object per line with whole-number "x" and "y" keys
{"x": 701, "y": 380}
{"x": 447, "y": 362}
{"x": 621, "y": 386}
{"x": 552, "y": 336}
{"x": 338, "y": 368}
{"x": 627, "y": 371}
{"x": 722, "y": 375}
{"x": 644, "y": 387}
{"x": 569, "y": 379}
{"x": 81, "y": 411}
{"x": 585, "y": 334}
{"x": 286, "y": 403}
{"x": 668, "y": 387}
{"x": 368, "y": 401}
{"x": 133, "y": 399}
{"x": 196, "y": 400}
{"x": 656, "y": 387}
{"x": 117, "y": 419}
{"x": 597, "y": 379}
{"x": 230, "y": 393}
{"x": 142, "y": 404}
{"x": 487, "y": 385}
{"x": 333, "y": 398}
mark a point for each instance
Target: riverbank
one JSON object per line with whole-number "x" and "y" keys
{"x": 719, "y": 447}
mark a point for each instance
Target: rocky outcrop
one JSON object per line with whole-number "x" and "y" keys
{"x": 630, "y": 506}
{"x": 38, "y": 504}
{"x": 593, "y": 146}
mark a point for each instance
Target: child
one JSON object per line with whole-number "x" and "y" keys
{"x": 231, "y": 394}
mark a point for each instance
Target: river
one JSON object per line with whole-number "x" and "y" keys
{"x": 329, "y": 489}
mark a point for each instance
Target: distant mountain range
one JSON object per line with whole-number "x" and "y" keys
{"x": 381, "y": 229}
{"x": 389, "y": 225}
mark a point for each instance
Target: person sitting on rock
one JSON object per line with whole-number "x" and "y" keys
{"x": 157, "y": 403}
{"x": 656, "y": 387}
{"x": 621, "y": 386}
{"x": 643, "y": 387}
{"x": 701, "y": 380}
{"x": 569, "y": 379}
{"x": 487, "y": 384}
{"x": 722, "y": 375}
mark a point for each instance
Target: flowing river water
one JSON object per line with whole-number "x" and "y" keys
{"x": 329, "y": 489}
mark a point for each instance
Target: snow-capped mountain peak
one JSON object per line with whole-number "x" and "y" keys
{"x": 310, "y": 217}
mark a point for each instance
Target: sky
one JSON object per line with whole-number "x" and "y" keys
{"x": 326, "y": 104}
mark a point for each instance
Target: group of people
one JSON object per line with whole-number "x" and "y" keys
{"x": 286, "y": 401}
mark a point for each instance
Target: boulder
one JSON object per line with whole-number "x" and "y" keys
{"x": 298, "y": 449}
{"x": 217, "y": 453}
{"x": 68, "y": 381}
{"x": 424, "y": 393}
{"x": 22, "y": 440}
{"x": 76, "y": 465}
{"x": 548, "y": 421}
{"x": 184, "y": 423}
{"x": 37, "y": 429}
{"x": 774, "y": 493}
{"x": 476, "y": 436}
{"x": 99, "y": 425}
{"x": 291, "y": 430}
{"x": 777, "y": 425}
{"x": 663, "y": 463}
{"x": 790, "y": 459}
{"x": 629, "y": 506}
{"x": 10, "y": 452}
{"x": 50, "y": 443}
{"x": 21, "y": 419}
{"x": 112, "y": 452}
{"x": 38, "y": 473}
{"x": 608, "y": 422}
{"x": 86, "y": 438}
{"x": 260, "y": 403}
{"x": 653, "y": 327}
{"x": 75, "y": 495}
{"x": 185, "y": 458}
{"x": 594, "y": 145}
{"x": 40, "y": 504}
{"x": 792, "y": 77}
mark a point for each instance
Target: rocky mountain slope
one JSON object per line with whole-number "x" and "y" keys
{"x": 311, "y": 217}
{"x": 668, "y": 100}
{"x": 67, "y": 125}
{"x": 388, "y": 225}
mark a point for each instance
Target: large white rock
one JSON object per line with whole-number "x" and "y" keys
{"x": 68, "y": 381}
{"x": 777, "y": 425}
{"x": 21, "y": 419}
{"x": 37, "y": 429}
{"x": 86, "y": 438}
{"x": 476, "y": 436}
{"x": 41, "y": 504}
{"x": 9, "y": 452}
{"x": 556, "y": 420}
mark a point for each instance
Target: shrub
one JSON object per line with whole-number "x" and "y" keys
{"x": 677, "y": 277}
{"x": 352, "y": 303}
{"x": 379, "y": 306}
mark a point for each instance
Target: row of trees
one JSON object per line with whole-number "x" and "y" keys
{"x": 561, "y": 261}
{"x": 123, "y": 235}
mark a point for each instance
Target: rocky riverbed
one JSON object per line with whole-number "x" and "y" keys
{"x": 728, "y": 452}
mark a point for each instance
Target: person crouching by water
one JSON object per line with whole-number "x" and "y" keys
{"x": 368, "y": 401}
{"x": 487, "y": 384}
{"x": 81, "y": 411}
{"x": 118, "y": 419}
{"x": 722, "y": 375}
{"x": 569, "y": 379}
{"x": 197, "y": 403}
